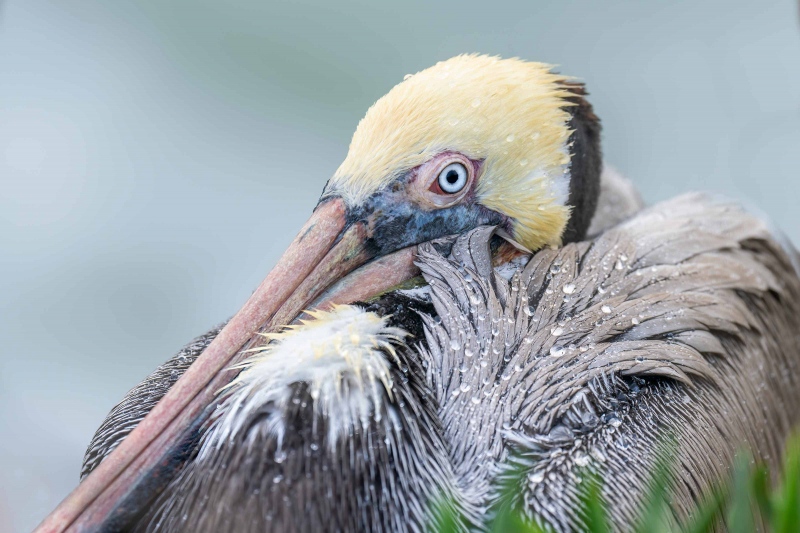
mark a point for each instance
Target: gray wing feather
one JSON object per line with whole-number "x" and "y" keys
{"x": 681, "y": 319}
{"x": 693, "y": 296}
{"x": 619, "y": 200}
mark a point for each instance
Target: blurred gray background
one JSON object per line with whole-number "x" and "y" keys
{"x": 157, "y": 155}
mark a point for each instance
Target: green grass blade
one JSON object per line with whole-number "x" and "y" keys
{"x": 786, "y": 499}
{"x": 761, "y": 494}
{"x": 740, "y": 512}
{"x": 591, "y": 504}
{"x": 447, "y": 518}
{"x": 709, "y": 512}
{"x": 652, "y": 515}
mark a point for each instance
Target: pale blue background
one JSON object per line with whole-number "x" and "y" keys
{"x": 157, "y": 155}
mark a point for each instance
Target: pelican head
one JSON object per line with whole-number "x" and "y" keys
{"x": 474, "y": 140}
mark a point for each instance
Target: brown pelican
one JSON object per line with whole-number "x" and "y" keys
{"x": 682, "y": 317}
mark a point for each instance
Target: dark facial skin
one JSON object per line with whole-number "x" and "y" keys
{"x": 414, "y": 209}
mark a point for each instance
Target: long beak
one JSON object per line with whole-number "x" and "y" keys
{"x": 325, "y": 251}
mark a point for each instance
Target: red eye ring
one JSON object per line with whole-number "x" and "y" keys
{"x": 444, "y": 180}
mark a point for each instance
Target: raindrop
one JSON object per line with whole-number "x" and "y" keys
{"x": 277, "y": 479}
{"x": 463, "y": 368}
{"x": 536, "y": 477}
{"x": 455, "y": 345}
{"x": 314, "y": 446}
{"x": 606, "y": 309}
{"x": 620, "y": 265}
{"x": 556, "y": 331}
{"x": 280, "y": 456}
{"x": 476, "y": 400}
{"x": 510, "y": 138}
{"x": 615, "y": 422}
{"x": 464, "y": 387}
{"x": 597, "y": 454}
{"x": 635, "y": 321}
{"x": 582, "y": 459}
{"x": 601, "y": 289}
{"x": 569, "y": 288}
{"x": 557, "y": 351}
{"x": 468, "y": 352}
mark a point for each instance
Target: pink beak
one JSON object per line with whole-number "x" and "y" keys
{"x": 325, "y": 251}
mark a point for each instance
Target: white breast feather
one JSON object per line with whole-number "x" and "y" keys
{"x": 338, "y": 354}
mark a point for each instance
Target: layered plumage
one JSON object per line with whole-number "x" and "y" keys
{"x": 680, "y": 319}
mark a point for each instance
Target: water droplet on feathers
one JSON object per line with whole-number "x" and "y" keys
{"x": 557, "y": 351}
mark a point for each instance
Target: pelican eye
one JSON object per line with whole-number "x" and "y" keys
{"x": 453, "y": 178}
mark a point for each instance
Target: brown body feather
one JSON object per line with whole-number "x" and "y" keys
{"x": 683, "y": 319}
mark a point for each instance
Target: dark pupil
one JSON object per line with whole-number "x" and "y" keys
{"x": 452, "y": 177}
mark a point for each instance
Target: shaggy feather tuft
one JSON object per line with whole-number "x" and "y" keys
{"x": 339, "y": 355}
